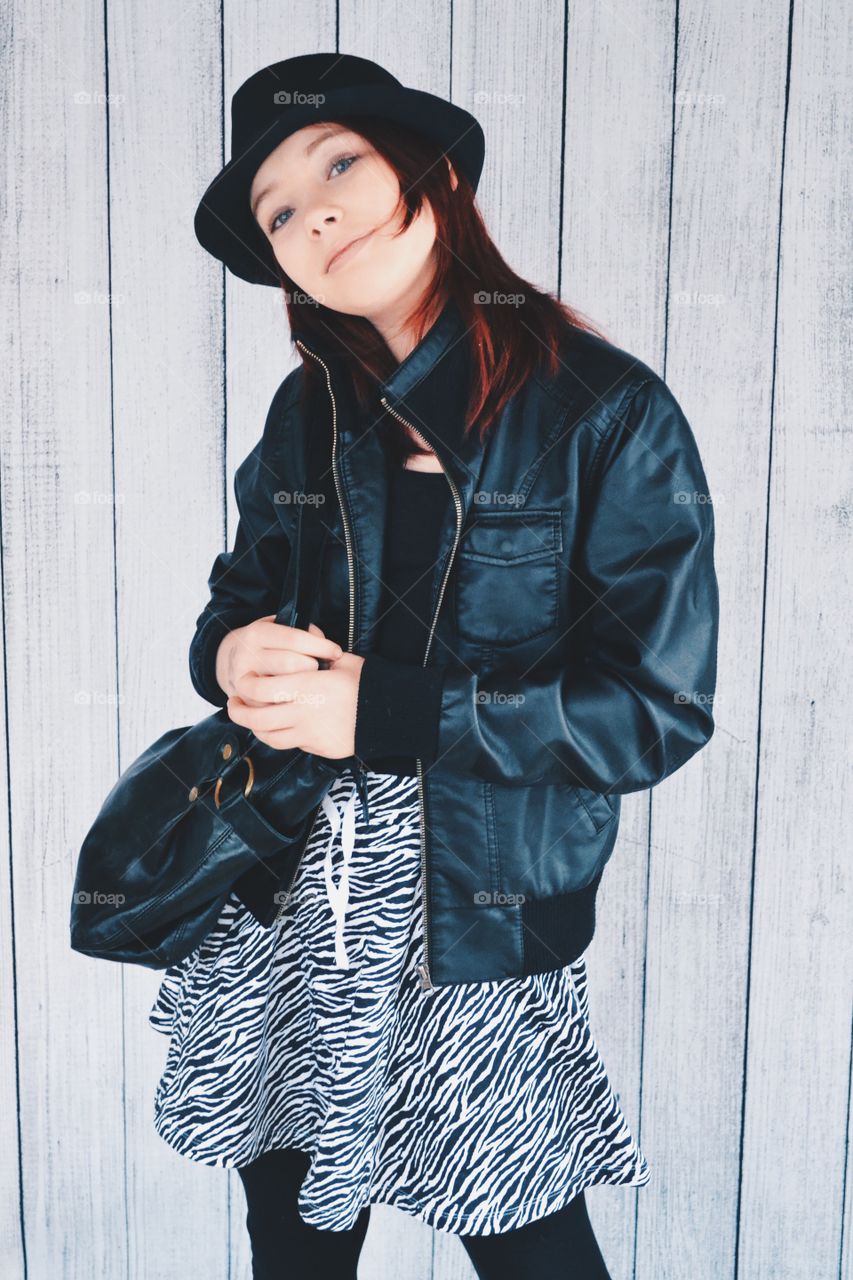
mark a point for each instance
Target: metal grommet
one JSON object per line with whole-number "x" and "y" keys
{"x": 226, "y": 751}
{"x": 250, "y": 782}
{"x": 193, "y": 793}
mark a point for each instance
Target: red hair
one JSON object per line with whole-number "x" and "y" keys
{"x": 508, "y": 342}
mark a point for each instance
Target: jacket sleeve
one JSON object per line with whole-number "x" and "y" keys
{"x": 634, "y": 702}
{"x": 246, "y": 582}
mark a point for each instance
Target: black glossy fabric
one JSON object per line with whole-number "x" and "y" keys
{"x": 576, "y": 642}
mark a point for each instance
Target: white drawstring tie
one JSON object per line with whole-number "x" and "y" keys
{"x": 343, "y": 821}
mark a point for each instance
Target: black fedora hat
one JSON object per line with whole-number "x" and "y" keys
{"x": 285, "y": 96}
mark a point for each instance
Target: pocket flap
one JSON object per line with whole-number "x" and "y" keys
{"x": 504, "y": 537}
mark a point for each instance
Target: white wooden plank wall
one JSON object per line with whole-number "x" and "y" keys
{"x": 680, "y": 171}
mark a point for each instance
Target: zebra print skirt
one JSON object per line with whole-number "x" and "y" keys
{"x": 476, "y": 1108}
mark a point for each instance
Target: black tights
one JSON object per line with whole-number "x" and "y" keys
{"x": 561, "y": 1245}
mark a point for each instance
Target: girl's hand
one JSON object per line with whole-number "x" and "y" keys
{"x": 251, "y": 659}
{"x": 315, "y": 710}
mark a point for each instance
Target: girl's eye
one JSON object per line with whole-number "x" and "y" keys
{"x": 345, "y": 159}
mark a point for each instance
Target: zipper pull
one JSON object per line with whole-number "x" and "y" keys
{"x": 426, "y": 981}
{"x": 361, "y": 787}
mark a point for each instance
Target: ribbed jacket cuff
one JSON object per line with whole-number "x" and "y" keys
{"x": 398, "y": 709}
{"x": 202, "y": 660}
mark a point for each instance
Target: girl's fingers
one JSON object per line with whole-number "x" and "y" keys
{"x": 275, "y": 635}
{"x": 263, "y": 718}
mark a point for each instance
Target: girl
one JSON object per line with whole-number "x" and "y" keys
{"x": 411, "y": 1025}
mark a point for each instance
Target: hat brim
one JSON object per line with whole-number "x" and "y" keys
{"x": 224, "y": 224}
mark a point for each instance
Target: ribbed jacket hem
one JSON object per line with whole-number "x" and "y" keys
{"x": 557, "y": 930}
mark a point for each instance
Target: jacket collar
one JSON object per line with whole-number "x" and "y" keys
{"x": 429, "y": 389}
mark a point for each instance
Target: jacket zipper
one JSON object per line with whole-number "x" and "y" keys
{"x": 423, "y": 969}
{"x": 351, "y": 571}
{"x": 357, "y": 768}
{"x": 347, "y": 537}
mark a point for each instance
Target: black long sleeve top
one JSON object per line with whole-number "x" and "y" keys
{"x": 399, "y": 699}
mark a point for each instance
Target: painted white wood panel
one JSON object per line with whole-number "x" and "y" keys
{"x": 796, "y": 1164}
{"x": 167, "y": 403}
{"x": 64, "y": 1162}
{"x": 728, "y": 68}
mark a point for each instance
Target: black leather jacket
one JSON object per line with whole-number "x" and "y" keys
{"x": 572, "y": 656}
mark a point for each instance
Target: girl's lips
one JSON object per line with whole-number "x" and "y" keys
{"x": 343, "y": 255}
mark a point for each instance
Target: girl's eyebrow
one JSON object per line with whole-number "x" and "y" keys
{"x": 325, "y": 137}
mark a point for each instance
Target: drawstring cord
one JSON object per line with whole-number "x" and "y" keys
{"x": 338, "y": 894}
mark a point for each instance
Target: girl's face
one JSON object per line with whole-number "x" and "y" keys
{"x": 324, "y": 187}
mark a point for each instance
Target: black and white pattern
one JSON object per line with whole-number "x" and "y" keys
{"x": 477, "y": 1107}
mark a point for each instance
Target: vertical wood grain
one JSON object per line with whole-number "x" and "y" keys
{"x": 167, "y": 397}
{"x": 63, "y": 1170}
{"x": 728, "y": 69}
{"x": 796, "y": 1083}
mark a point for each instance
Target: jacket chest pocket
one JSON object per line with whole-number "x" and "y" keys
{"x": 506, "y": 577}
